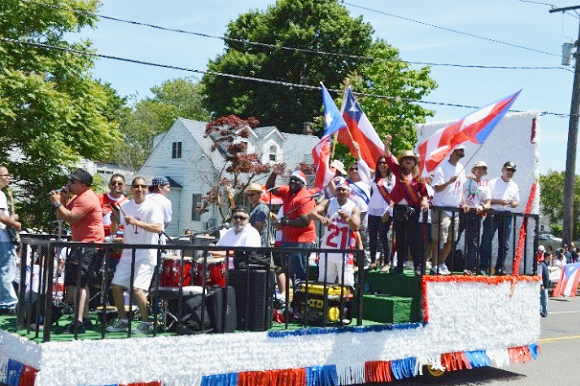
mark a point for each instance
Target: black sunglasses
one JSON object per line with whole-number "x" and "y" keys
{"x": 113, "y": 183}
{"x": 140, "y": 186}
{"x": 240, "y": 218}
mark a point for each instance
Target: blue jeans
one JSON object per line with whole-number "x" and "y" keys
{"x": 544, "y": 302}
{"x": 503, "y": 225}
{"x": 8, "y": 297}
{"x": 298, "y": 261}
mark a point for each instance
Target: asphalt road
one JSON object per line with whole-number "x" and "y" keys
{"x": 557, "y": 365}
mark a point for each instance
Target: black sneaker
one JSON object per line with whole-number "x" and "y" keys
{"x": 76, "y": 325}
{"x": 88, "y": 324}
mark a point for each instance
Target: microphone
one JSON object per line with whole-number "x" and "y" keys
{"x": 274, "y": 188}
{"x": 64, "y": 189}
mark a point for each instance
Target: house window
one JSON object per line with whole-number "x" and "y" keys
{"x": 195, "y": 202}
{"x": 273, "y": 151}
{"x": 176, "y": 150}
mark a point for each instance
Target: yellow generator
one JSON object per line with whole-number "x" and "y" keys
{"x": 308, "y": 304}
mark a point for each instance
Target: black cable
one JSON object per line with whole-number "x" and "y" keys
{"x": 295, "y": 49}
{"x": 248, "y": 78}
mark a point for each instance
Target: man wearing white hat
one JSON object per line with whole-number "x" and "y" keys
{"x": 476, "y": 199}
{"x": 341, "y": 218}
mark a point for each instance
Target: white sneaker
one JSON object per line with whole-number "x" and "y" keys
{"x": 443, "y": 270}
{"x": 145, "y": 328}
{"x": 119, "y": 326}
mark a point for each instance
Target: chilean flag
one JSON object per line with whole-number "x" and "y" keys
{"x": 475, "y": 127}
{"x": 568, "y": 283}
{"x": 333, "y": 122}
{"x": 359, "y": 129}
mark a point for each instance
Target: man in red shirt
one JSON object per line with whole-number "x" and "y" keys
{"x": 83, "y": 213}
{"x": 298, "y": 229}
{"x": 116, "y": 195}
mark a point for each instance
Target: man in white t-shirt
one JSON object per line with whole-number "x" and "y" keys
{"x": 158, "y": 191}
{"x": 8, "y": 297}
{"x": 476, "y": 199}
{"x": 505, "y": 197}
{"x": 242, "y": 234}
{"x": 143, "y": 221}
{"x": 448, "y": 186}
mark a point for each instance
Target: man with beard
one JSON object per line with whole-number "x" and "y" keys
{"x": 298, "y": 229}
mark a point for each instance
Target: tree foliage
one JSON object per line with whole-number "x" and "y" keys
{"x": 52, "y": 112}
{"x": 151, "y": 116}
{"x": 552, "y": 201}
{"x": 309, "y": 25}
{"x": 239, "y": 168}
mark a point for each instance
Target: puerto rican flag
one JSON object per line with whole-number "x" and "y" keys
{"x": 333, "y": 122}
{"x": 568, "y": 283}
{"x": 475, "y": 127}
{"x": 360, "y": 130}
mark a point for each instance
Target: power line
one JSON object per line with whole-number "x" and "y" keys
{"x": 295, "y": 49}
{"x": 242, "y": 77}
{"x": 449, "y": 29}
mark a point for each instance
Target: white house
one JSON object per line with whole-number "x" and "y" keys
{"x": 184, "y": 156}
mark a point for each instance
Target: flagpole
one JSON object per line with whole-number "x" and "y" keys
{"x": 333, "y": 145}
{"x": 469, "y": 160}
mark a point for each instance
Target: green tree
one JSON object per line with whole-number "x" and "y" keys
{"x": 151, "y": 116}
{"x": 552, "y": 201}
{"x": 52, "y": 112}
{"x": 309, "y": 25}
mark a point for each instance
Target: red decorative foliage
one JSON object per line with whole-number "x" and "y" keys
{"x": 454, "y": 361}
{"x": 378, "y": 372}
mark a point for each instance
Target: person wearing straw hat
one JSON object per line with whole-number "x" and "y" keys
{"x": 448, "y": 185}
{"x": 476, "y": 198}
{"x": 410, "y": 197}
{"x": 259, "y": 212}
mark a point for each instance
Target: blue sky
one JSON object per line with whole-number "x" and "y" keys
{"x": 521, "y": 23}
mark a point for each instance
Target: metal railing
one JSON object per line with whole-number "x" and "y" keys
{"x": 42, "y": 258}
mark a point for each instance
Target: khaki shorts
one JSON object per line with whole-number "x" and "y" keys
{"x": 442, "y": 220}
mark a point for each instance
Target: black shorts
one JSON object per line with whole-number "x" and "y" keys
{"x": 83, "y": 262}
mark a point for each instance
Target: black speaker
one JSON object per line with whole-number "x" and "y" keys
{"x": 192, "y": 320}
{"x": 254, "y": 290}
{"x": 222, "y": 309}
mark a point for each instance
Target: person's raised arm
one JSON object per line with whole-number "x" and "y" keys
{"x": 388, "y": 140}
{"x": 277, "y": 169}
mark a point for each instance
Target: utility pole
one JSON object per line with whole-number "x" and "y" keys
{"x": 569, "y": 176}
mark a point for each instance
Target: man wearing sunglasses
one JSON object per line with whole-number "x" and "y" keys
{"x": 83, "y": 213}
{"x": 143, "y": 220}
{"x": 116, "y": 195}
{"x": 298, "y": 230}
{"x": 241, "y": 234}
